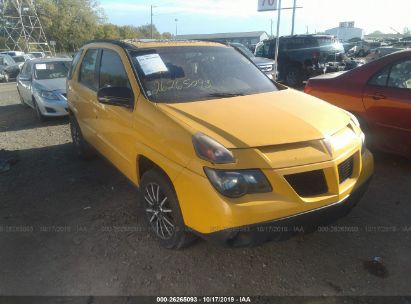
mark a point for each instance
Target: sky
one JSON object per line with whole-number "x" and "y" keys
{"x": 218, "y": 16}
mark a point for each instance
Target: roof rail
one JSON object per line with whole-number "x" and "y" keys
{"x": 119, "y": 43}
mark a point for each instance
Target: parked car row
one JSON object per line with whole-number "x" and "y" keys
{"x": 301, "y": 56}
{"x": 11, "y": 63}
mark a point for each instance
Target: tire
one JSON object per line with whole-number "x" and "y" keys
{"x": 293, "y": 77}
{"x": 162, "y": 211}
{"x": 21, "y": 98}
{"x": 370, "y": 140}
{"x": 37, "y": 111}
{"x": 82, "y": 149}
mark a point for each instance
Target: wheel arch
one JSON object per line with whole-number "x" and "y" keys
{"x": 145, "y": 164}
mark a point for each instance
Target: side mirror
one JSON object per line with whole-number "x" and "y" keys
{"x": 116, "y": 96}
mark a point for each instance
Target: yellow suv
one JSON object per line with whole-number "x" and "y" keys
{"x": 217, "y": 149}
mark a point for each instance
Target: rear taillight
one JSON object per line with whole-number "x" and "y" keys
{"x": 308, "y": 89}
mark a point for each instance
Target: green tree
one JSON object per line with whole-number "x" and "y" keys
{"x": 69, "y": 23}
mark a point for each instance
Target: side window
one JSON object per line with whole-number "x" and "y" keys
{"x": 74, "y": 64}
{"x": 27, "y": 69}
{"x": 88, "y": 69}
{"x": 24, "y": 69}
{"x": 381, "y": 78}
{"x": 400, "y": 75}
{"x": 112, "y": 72}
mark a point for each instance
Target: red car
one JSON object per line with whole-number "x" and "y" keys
{"x": 379, "y": 95}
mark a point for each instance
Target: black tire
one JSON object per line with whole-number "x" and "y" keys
{"x": 82, "y": 149}
{"x": 162, "y": 211}
{"x": 21, "y": 98}
{"x": 39, "y": 116}
{"x": 293, "y": 77}
{"x": 370, "y": 140}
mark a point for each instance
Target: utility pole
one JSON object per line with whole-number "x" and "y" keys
{"x": 271, "y": 36}
{"x": 293, "y": 22}
{"x": 277, "y": 45}
{"x": 176, "y": 20}
{"x": 151, "y": 20}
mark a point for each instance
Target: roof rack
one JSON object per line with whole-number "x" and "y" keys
{"x": 119, "y": 43}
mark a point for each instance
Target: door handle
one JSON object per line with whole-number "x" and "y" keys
{"x": 378, "y": 96}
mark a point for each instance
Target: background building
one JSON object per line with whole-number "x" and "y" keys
{"x": 249, "y": 39}
{"x": 346, "y": 31}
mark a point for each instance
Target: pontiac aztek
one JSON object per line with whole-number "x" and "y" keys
{"x": 217, "y": 149}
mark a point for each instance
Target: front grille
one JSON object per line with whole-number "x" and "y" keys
{"x": 307, "y": 184}
{"x": 345, "y": 169}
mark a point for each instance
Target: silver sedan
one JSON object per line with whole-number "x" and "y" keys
{"x": 41, "y": 85}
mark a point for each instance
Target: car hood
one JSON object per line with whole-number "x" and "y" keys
{"x": 57, "y": 84}
{"x": 266, "y": 119}
{"x": 262, "y": 60}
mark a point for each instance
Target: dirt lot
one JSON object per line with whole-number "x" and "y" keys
{"x": 71, "y": 227}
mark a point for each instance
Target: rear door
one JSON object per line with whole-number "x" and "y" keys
{"x": 387, "y": 99}
{"x": 83, "y": 94}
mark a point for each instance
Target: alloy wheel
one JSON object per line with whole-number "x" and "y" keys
{"x": 158, "y": 211}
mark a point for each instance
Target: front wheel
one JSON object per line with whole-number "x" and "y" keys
{"x": 162, "y": 211}
{"x": 37, "y": 111}
{"x": 21, "y": 98}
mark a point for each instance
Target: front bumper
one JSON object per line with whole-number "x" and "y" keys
{"x": 53, "y": 108}
{"x": 207, "y": 212}
{"x": 284, "y": 228}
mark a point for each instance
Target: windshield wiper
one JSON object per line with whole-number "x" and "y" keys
{"x": 222, "y": 95}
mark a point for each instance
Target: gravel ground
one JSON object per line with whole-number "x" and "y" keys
{"x": 71, "y": 227}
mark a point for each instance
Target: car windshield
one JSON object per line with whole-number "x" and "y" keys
{"x": 51, "y": 70}
{"x": 6, "y": 60}
{"x": 243, "y": 49}
{"x": 37, "y": 55}
{"x": 19, "y": 58}
{"x": 193, "y": 73}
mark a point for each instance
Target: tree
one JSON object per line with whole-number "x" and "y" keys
{"x": 166, "y": 35}
{"x": 69, "y": 23}
{"x": 407, "y": 32}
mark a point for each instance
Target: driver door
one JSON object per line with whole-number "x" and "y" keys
{"x": 387, "y": 99}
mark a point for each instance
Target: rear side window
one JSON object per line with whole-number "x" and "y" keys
{"x": 26, "y": 70}
{"x": 381, "y": 78}
{"x": 112, "y": 71}
{"x": 74, "y": 64}
{"x": 400, "y": 75}
{"x": 88, "y": 75}
{"x": 397, "y": 75}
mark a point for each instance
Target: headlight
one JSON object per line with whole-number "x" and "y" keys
{"x": 239, "y": 182}
{"x": 48, "y": 95}
{"x": 362, "y": 135}
{"x": 210, "y": 150}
